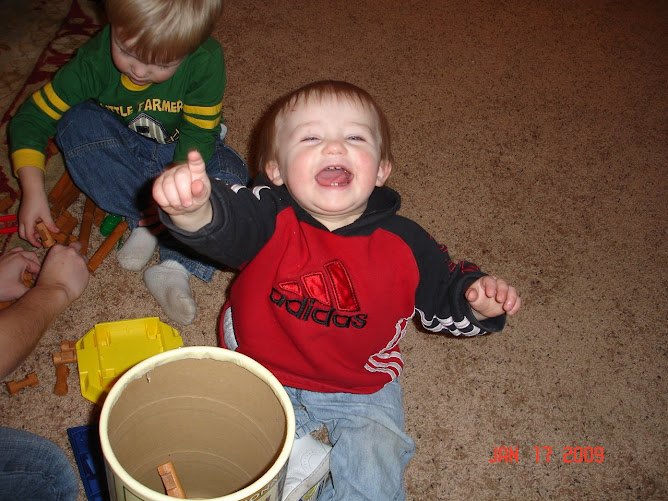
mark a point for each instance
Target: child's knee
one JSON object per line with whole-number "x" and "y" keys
{"x": 83, "y": 119}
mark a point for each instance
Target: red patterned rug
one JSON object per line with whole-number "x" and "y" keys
{"x": 79, "y": 24}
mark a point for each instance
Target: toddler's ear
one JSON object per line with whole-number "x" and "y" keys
{"x": 273, "y": 172}
{"x": 384, "y": 170}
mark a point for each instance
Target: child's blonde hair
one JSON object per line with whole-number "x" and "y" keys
{"x": 163, "y": 31}
{"x": 318, "y": 90}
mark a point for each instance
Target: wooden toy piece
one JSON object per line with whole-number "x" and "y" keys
{"x": 45, "y": 235}
{"x": 61, "y": 388}
{"x": 63, "y": 203}
{"x": 68, "y": 353}
{"x": 64, "y": 239}
{"x": 63, "y": 184}
{"x": 98, "y": 216}
{"x": 51, "y": 148}
{"x": 6, "y": 203}
{"x": 29, "y": 380}
{"x": 66, "y": 222}
{"x": 67, "y": 345}
{"x": 28, "y": 279}
{"x": 86, "y": 225}
{"x": 63, "y": 194}
{"x": 108, "y": 244}
{"x": 4, "y": 304}
{"x": 64, "y": 357}
{"x": 170, "y": 481}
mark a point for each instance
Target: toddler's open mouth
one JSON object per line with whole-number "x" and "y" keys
{"x": 333, "y": 176}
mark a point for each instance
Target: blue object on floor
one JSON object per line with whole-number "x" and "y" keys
{"x": 85, "y": 441}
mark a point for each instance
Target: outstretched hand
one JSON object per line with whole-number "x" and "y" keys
{"x": 183, "y": 193}
{"x": 490, "y": 297}
{"x": 183, "y": 188}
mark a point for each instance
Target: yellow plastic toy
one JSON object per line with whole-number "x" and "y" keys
{"x": 109, "y": 349}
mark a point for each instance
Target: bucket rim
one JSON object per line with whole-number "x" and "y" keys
{"x": 196, "y": 352}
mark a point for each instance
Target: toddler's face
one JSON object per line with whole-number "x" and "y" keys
{"x": 138, "y": 72}
{"x": 328, "y": 157}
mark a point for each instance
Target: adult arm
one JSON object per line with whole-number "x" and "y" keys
{"x": 62, "y": 279}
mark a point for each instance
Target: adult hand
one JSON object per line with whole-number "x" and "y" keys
{"x": 13, "y": 264}
{"x": 65, "y": 268}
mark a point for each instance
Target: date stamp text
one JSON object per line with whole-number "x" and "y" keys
{"x": 545, "y": 454}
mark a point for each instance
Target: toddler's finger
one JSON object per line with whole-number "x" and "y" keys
{"x": 183, "y": 181}
{"x": 196, "y": 163}
{"x": 514, "y": 306}
{"x": 158, "y": 192}
{"x": 52, "y": 226}
{"x": 501, "y": 291}
{"x": 471, "y": 294}
{"x": 32, "y": 236}
{"x": 490, "y": 286}
{"x": 171, "y": 193}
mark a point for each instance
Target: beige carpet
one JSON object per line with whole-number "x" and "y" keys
{"x": 530, "y": 137}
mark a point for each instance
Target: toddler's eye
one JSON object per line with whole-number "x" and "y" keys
{"x": 355, "y": 138}
{"x": 310, "y": 138}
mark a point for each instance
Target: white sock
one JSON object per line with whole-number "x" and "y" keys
{"x": 169, "y": 282}
{"x": 137, "y": 250}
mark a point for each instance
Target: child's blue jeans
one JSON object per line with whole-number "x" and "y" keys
{"x": 116, "y": 167}
{"x": 370, "y": 447}
{"x": 33, "y": 468}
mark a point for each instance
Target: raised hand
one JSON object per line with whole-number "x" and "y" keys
{"x": 183, "y": 188}
{"x": 490, "y": 297}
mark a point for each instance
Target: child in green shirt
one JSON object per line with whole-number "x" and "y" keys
{"x": 133, "y": 101}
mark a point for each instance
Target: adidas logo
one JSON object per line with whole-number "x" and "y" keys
{"x": 325, "y": 297}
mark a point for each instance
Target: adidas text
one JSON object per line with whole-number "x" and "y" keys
{"x": 305, "y": 309}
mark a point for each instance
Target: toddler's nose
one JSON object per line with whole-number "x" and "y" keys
{"x": 140, "y": 70}
{"x": 335, "y": 146}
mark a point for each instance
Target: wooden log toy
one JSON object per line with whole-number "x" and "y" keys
{"x": 63, "y": 194}
{"x": 64, "y": 357}
{"x": 106, "y": 246}
{"x": 6, "y": 203}
{"x": 61, "y": 388}
{"x": 45, "y": 235}
{"x": 170, "y": 480}
{"x": 15, "y": 386}
{"x": 66, "y": 222}
{"x": 67, "y": 345}
{"x": 86, "y": 225}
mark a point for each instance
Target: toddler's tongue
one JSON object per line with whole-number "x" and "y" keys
{"x": 332, "y": 177}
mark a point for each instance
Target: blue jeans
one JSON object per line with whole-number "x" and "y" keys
{"x": 370, "y": 447}
{"x": 115, "y": 167}
{"x": 34, "y": 468}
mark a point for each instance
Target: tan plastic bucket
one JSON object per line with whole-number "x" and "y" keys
{"x": 221, "y": 418}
